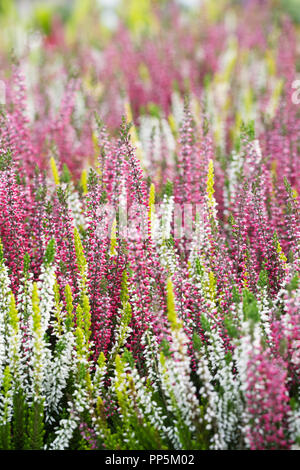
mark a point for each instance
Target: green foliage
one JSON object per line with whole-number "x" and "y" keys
{"x": 26, "y": 264}
{"x": 35, "y": 427}
{"x": 197, "y": 343}
{"x": 154, "y": 110}
{"x": 50, "y": 252}
{"x": 165, "y": 347}
{"x": 248, "y": 130}
{"x": 293, "y": 284}
{"x": 235, "y": 295}
{"x": 5, "y": 424}
{"x": 69, "y": 307}
{"x": 230, "y": 327}
{"x": 20, "y": 410}
{"x": 5, "y": 160}
{"x": 263, "y": 280}
{"x": 128, "y": 357}
{"x": 62, "y": 195}
{"x": 204, "y": 322}
{"x": 65, "y": 176}
{"x": 1, "y": 253}
{"x": 125, "y": 130}
{"x": 168, "y": 188}
{"x": 92, "y": 179}
{"x": 81, "y": 261}
{"x": 250, "y": 308}
{"x": 292, "y": 8}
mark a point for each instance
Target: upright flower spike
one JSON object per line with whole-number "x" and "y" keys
{"x": 211, "y": 202}
{"x": 210, "y": 182}
{"x": 69, "y": 307}
{"x": 58, "y": 322}
{"x": 267, "y": 404}
{"x": 86, "y": 316}
{"x": 184, "y": 186}
{"x": 14, "y": 350}
{"x": 37, "y": 347}
{"x": 172, "y": 317}
{"x": 79, "y": 251}
{"x": 123, "y": 331}
{"x": 13, "y": 314}
{"x": 212, "y": 286}
{"x": 6, "y": 410}
{"x": 113, "y": 238}
{"x": 84, "y": 181}
{"x": 55, "y": 173}
{"x": 16, "y": 206}
{"x": 59, "y": 224}
{"x": 133, "y": 133}
{"x": 151, "y": 199}
{"x": 5, "y": 293}
{"x": 81, "y": 262}
{"x": 151, "y": 212}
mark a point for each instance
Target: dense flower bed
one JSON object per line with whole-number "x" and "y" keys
{"x": 149, "y": 226}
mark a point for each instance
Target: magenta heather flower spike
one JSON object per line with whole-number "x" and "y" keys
{"x": 267, "y": 402}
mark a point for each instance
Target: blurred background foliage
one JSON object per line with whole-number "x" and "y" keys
{"x": 138, "y": 15}
{"x": 25, "y": 24}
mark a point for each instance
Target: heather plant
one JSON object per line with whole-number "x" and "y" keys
{"x": 149, "y": 229}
